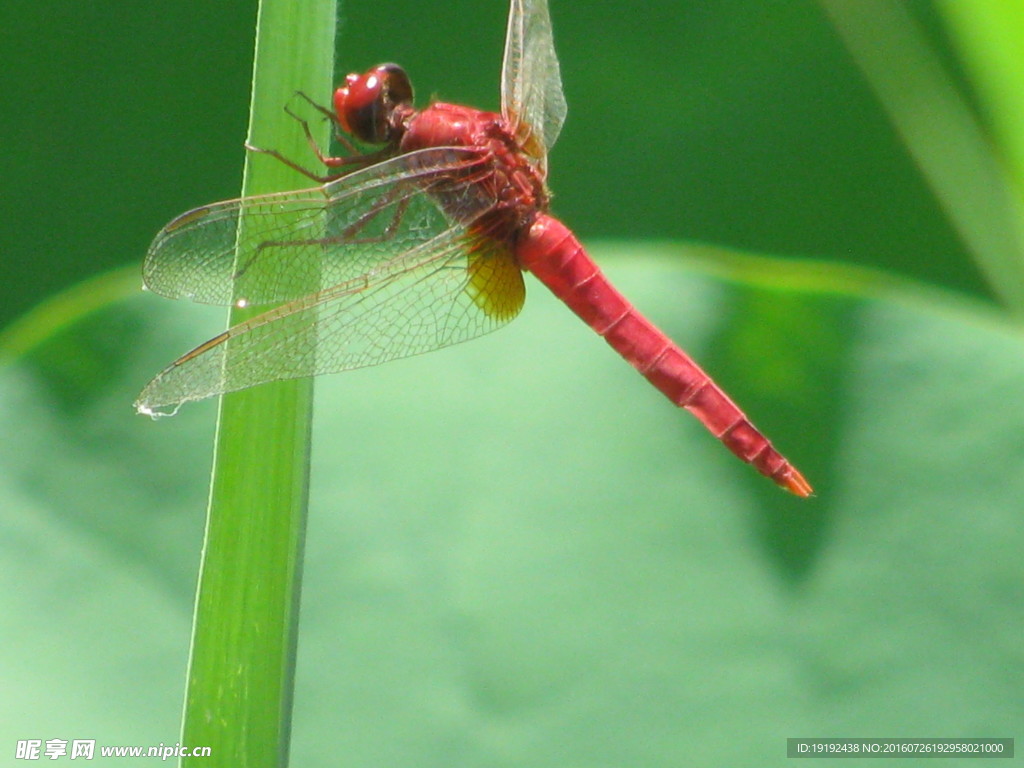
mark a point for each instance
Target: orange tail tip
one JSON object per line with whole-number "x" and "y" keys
{"x": 795, "y": 483}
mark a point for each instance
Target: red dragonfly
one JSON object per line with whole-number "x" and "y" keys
{"x": 413, "y": 247}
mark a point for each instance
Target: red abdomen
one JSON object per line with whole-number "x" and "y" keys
{"x": 550, "y": 251}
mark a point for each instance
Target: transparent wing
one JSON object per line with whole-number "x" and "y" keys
{"x": 295, "y": 243}
{"x": 531, "y": 82}
{"x": 449, "y": 288}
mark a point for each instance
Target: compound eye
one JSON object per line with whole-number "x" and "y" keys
{"x": 365, "y": 105}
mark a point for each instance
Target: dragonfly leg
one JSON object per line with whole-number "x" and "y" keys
{"x": 346, "y": 236}
{"x": 347, "y": 163}
{"x": 329, "y": 161}
{"x": 329, "y": 114}
{"x": 322, "y": 179}
{"x": 339, "y": 134}
{"x": 389, "y": 229}
{"x": 353, "y": 163}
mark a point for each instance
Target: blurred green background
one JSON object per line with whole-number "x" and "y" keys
{"x": 518, "y": 554}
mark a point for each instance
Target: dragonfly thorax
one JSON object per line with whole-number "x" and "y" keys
{"x": 504, "y": 172}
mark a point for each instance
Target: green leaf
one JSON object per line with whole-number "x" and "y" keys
{"x": 520, "y": 553}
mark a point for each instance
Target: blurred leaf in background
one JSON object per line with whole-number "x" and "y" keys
{"x": 520, "y": 553}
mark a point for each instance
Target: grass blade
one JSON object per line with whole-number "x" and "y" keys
{"x": 990, "y": 39}
{"x": 241, "y": 670}
{"x": 943, "y": 136}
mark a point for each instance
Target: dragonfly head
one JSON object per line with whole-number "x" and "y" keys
{"x": 373, "y": 106}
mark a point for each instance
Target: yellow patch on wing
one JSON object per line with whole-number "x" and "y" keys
{"x": 495, "y": 280}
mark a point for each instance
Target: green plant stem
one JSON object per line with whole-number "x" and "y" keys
{"x": 241, "y": 670}
{"x": 942, "y": 135}
{"x": 989, "y": 36}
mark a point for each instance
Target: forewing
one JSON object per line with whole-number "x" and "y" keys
{"x": 294, "y": 243}
{"x": 450, "y": 288}
{"x": 531, "y": 82}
